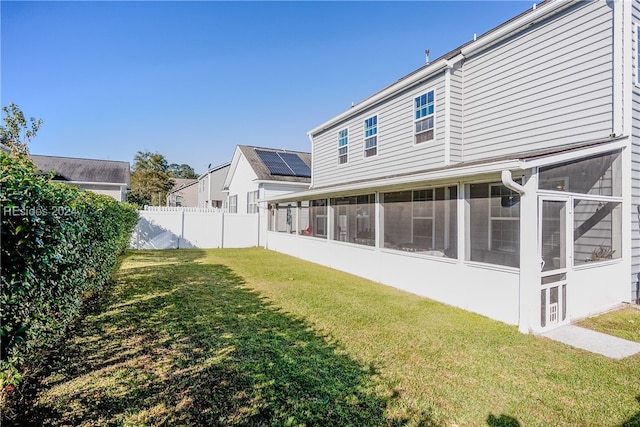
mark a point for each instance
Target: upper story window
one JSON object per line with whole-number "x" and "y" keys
{"x": 371, "y": 136}
{"x": 424, "y": 108}
{"x": 343, "y": 146}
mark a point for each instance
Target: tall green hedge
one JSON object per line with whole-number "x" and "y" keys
{"x": 58, "y": 243}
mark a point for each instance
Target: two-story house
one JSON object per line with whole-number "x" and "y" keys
{"x": 502, "y": 178}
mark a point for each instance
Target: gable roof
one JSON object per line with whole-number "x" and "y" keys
{"x": 180, "y": 184}
{"x": 262, "y": 171}
{"x": 84, "y": 170}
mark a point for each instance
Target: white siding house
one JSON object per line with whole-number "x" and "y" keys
{"x": 255, "y": 174}
{"x": 502, "y": 178}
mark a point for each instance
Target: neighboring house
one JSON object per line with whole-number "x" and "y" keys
{"x": 502, "y": 178}
{"x": 109, "y": 177}
{"x": 210, "y": 194}
{"x": 258, "y": 173}
{"x": 183, "y": 193}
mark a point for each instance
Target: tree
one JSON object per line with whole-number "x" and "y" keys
{"x": 150, "y": 179}
{"x": 16, "y": 132}
{"x": 182, "y": 171}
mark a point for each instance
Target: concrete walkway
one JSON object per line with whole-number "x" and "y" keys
{"x": 595, "y": 342}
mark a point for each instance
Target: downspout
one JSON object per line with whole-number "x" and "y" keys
{"x": 508, "y": 182}
{"x": 523, "y": 309}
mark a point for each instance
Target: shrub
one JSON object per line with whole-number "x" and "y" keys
{"x": 58, "y": 243}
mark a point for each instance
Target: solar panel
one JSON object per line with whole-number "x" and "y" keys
{"x": 297, "y": 165}
{"x": 274, "y": 163}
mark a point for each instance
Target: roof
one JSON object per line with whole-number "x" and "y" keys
{"x": 520, "y": 161}
{"x": 214, "y": 169}
{"x": 262, "y": 171}
{"x": 182, "y": 183}
{"x": 84, "y": 170}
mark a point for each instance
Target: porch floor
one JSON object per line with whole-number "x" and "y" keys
{"x": 595, "y": 342}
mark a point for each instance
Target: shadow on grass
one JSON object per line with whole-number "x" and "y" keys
{"x": 502, "y": 421}
{"x": 634, "y": 421}
{"x": 177, "y": 342}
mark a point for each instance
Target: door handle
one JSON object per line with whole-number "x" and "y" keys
{"x": 542, "y": 264}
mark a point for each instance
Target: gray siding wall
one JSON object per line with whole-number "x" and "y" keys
{"x": 635, "y": 168}
{"x": 548, "y": 86}
{"x": 457, "y": 95}
{"x": 396, "y": 150}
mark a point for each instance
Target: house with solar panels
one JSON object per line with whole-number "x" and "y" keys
{"x": 502, "y": 178}
{"x": 256, "y": 173}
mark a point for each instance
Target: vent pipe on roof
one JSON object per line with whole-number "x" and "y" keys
{"x": 534, "y": 6}
{"x": 426, "y": 54}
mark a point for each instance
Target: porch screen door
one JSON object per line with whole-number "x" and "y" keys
{"x": 553, "y": 261}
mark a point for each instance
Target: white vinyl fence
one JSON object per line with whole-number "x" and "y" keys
{"x": 185, "y": 227}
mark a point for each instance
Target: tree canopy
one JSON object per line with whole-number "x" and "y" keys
{"x": 16, "y": 133}
{"x": 150, "y": 179}
{"x": 182, "y": 171}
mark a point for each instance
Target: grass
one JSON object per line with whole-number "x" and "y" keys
{"x": 623, "y": 323}
{"x": 252, "y": 337}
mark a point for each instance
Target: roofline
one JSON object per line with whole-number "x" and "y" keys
{"x": 119, "y": 184}
{"x": 460, "y": 171}
{"x": 491, "y": 37}
{"x": 213, "y": 169}
{"x": 80, "y": 158}
{"x": 183, "y": 186}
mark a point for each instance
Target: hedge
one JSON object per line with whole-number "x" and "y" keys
{"x": 59, "y": 243}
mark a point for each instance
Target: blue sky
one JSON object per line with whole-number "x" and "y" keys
{"x": 191, "y": 80}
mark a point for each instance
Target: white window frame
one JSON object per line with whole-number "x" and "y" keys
{"x": 431, "y": 116}
{"x": 233, "y": 204}
{"x": 431, "y": 205}
{"x": 375, "y": 135}
{"x": 344, "y": 147}
{"x": 252, "y": 203}
{"x": 498, "y": 218}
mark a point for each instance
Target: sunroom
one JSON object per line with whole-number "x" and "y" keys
{"x": 533, "y": 240}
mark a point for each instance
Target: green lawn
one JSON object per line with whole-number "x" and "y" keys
{"x": 252, "y": 337}
{"x": 624, "y": 323}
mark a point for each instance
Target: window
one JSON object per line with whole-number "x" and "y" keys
{"x": 423, "y": 118}
{"x": 233, "y": 204}
{"x": 353, "y": 219}
{"x": 494, "y": 224}
{"x": 371, "y": 136}
{"x": 597, "y": 176}
{"x": 422, "y": 221}
{"x": 252, "y": 201}
{"x": 178, "y": 201}
{"x": 343, "y": 146}
{"x": 318, "y": 214}
{"x": 597, "y": 231}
